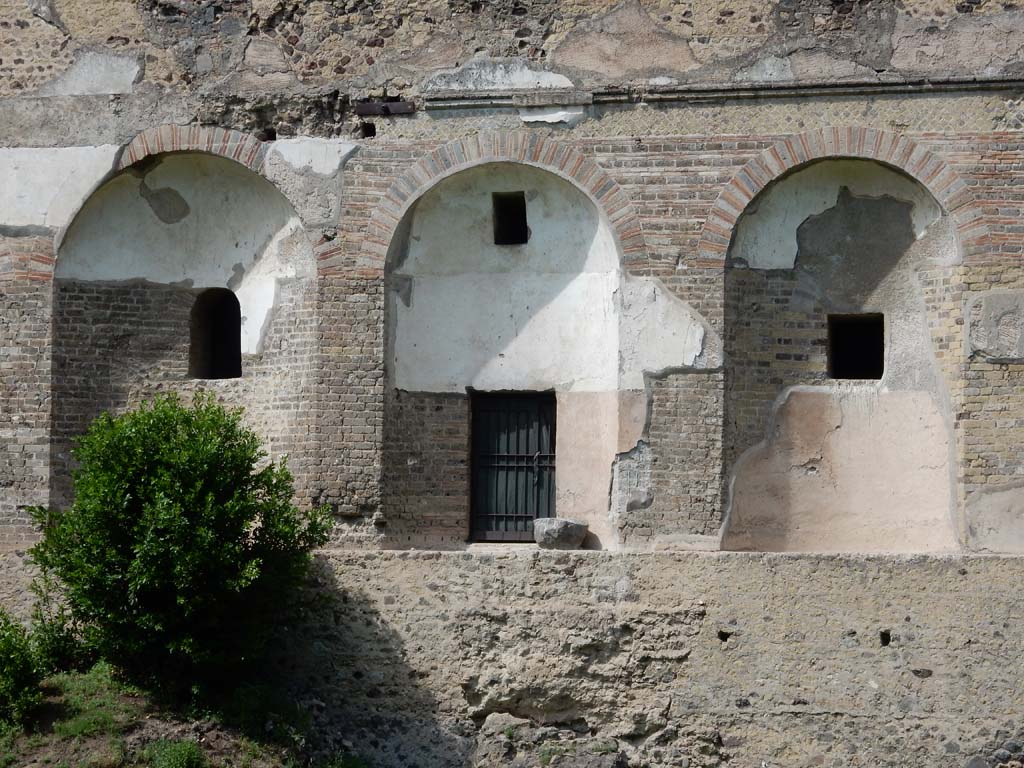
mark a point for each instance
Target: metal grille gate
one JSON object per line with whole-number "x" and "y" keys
{"x": 513, "y": 464}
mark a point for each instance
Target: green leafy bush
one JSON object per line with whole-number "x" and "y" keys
{"x": 176, "y": 754}
{"x": 56, "y": 638}
{"x": 182, "y": 543}
{"x": 19, "y": 678}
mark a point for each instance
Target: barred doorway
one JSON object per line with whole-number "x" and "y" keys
{"x": 513, "y": 464}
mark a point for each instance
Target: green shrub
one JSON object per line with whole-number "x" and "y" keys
{"x": 19, "y": 678}
{"x": 182, "y": 543}
{"x": 176, "y": 754}
{"x": 56, "y": 639}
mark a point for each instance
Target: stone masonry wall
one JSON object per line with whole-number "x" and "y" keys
{"x": 457, "y": 659}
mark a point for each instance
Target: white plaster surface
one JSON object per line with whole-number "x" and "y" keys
{"x": 556, "y": 313}
{"x": 657, "y": 331}
{"x": 494, "y": 75}
{"x": 766, "y": 236}
{"x": 770, "y": 69}
{"x": 995, "y": 519}
{"x": 95, "y": 73}
{"x": 46, "y": 186}
{"x": 846, "y": 469}
{"x": 534, "y": 316}
{"x": 568, "y": 115}
{"x": 237, "y": 231}
{"x": 321, "y": 156}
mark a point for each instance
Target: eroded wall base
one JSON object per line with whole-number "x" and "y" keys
{"x": 457, "y": 659}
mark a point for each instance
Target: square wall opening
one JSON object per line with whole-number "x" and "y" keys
{"x": 856, "y": 346}
{"x": 510, "y": 218}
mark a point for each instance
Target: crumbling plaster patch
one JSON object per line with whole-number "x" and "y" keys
{"x": 46, "y": 187}
{"x": 991, "y": 43}
{"x": 486, "y": 74}
{"x": 766, "y": 236}
{"x": 626, "y": 42}
{"x": 995, "y": 519}
{"x": 204, "y": 221}
{"x": 845, "y": 468}
{"x": 996, "y": 326}
{"x": 307, "y": 171}
{"x": 862, "y": 254}
{"x": 95, "y": 73}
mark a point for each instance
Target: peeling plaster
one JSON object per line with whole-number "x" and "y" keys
{"x": 568, "y": 115}
{"x": 766, "y": 236}
{"x": 45, "y": 187}
{"x": 845, "y": 468}
{"x": 996, "y": 326}
{"x": 324, "y": 157}
{"x": 992, "y": 44}
{"x": 657, "y": 331}
{"x": 770, "y": 69}
{"x": 625, "y": 42}
{"x": 485, "y": 74}
{"x": 95, "y": 73}
{"x": 808, "y": 485}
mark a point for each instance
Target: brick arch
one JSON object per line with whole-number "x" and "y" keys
{"x": 234, "y": 145}
{"x": 223, "y": 142}
{"x": 896, "y": 151}
{"x": 514, "y": 147}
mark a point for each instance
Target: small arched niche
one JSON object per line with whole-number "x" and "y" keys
{"x": 839, "y": 287}
{"x": 215, "y": 325}
{"x": 174, "y": 245}
{"x": 501, "y": 293}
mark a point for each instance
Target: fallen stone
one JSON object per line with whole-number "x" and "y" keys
{"x": 558, "y": 533}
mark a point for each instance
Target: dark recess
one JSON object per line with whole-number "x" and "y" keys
{"x": 510, "y": 218}
{"x": 215, "y": 351}
{"x": 856, "y": 346}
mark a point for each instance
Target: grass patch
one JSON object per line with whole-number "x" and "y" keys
{"x": 94, "y": 720}
{"x": 94, "y": 703}
{"x": 176, "y": 754}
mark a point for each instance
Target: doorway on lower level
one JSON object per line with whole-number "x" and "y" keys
{"x": 513, "y": 464}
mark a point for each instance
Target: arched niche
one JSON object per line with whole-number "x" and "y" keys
{"x": 841, "y": 249}
{"x": 556, "y": 314}
{"x": 130, "y": 267}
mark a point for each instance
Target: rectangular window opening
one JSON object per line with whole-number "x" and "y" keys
{"x": 510, "y": 226}
{"x": 512, "y": 464}
{"x": 856, "y": 346}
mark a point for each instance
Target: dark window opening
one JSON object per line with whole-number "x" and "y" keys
{"x": 856, "y": 346}
{"x": 367, "y": 130}
{"x": 510, "y": 218}
{"x": 215, "y": 351}
{"x": 512, "y": 464}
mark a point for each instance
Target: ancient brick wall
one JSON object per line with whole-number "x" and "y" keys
{"x": 25, "y": 401}
{"x": 116, "y": 345}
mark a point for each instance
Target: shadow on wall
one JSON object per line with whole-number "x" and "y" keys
{"x": 348, "y": 670}
{"x": 141, "y": 249}
{"x": 816, "y": 463}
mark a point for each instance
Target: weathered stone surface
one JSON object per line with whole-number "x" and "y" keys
{"x": 423, "y": 658}
{"x": 559, "y": 533}
{"x": 996, "y": 325}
